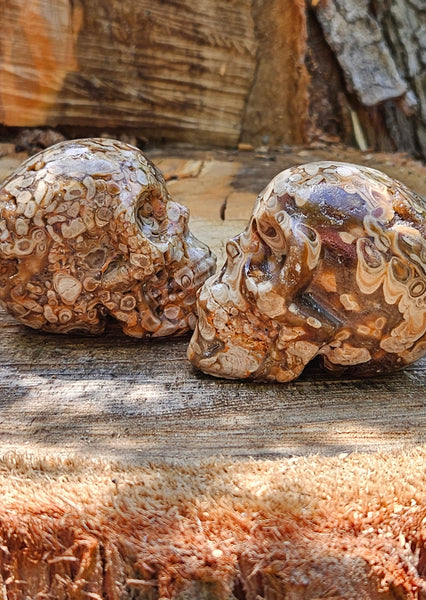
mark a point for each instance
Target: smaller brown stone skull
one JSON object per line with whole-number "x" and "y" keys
{"x": 332, "y": 263}
{"x": 88, "y": 229}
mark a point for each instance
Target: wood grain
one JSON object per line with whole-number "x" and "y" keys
{"x": 174, "y": 70}
{"x": 277, "y": 102}
{"x": 37, "y": 51}
{"x": 219, "y": 71}
{"x": 118, "y": 397}
{"x": 207, "y": 73}
{"x": 115, "y": 396}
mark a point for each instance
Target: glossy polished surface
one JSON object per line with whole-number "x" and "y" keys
{"x": 332, "y": 263}
{"x": 88, "y": 229}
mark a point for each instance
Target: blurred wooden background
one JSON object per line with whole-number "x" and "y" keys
{"x": 219, "y": 72}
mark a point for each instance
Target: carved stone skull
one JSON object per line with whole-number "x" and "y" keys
{"x": 332, "y": 263}
{"x": 88, "y": 229}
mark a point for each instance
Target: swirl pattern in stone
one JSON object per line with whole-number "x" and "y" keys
{"x": 332, "y": 263}
{"x": 88, "y": 229}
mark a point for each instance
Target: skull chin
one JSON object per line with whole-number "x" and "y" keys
{"x": 250, "y": 341}
{"x": 249, "y": 326}
{"x": 219, "y": 346}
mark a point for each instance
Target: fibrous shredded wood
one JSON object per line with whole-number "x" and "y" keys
{"x": 351, "y": 526}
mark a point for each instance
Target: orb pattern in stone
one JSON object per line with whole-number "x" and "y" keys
{"x": 331, "y": 264}
{"x": 88, "y": 229}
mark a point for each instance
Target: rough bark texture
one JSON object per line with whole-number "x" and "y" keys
{"x": 329, "y": 106}
{"x": 404, "y": 26}
{"x": 220, "y": 72}
{"x": 357, "y": 41}
{"x": 381, "y": 49}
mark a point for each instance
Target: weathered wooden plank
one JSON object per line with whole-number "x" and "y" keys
{"x": 115, "y": 396}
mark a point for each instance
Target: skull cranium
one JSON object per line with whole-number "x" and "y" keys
{"x": 332, "y": 263}
{"x": 87, "y": 229}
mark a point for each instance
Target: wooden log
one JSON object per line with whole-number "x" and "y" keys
{"x": 207, "y": 75}
{"x": 178, "y": 71}
{"x": 347, "y": 527}
{"x": 223, "y": 72}
{"x": 277, "y": 103}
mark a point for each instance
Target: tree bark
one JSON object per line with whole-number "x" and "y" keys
{"x": 381, "y": 48}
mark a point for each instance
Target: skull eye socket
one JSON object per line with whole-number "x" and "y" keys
{"x": 144, "y": 210}
{"x": 272, "y": 234}
{"x": 148, "y": 226}
{"x": 267, "y": 230}
{"x": 150, "y": 216}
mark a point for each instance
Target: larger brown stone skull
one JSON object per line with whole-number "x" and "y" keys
{"x": 88, "y": 229}
{"x": 332, "y": 263}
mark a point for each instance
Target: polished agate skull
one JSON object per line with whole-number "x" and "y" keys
{"x": 88, "y": 229}
{"x": 332, "y": 263}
